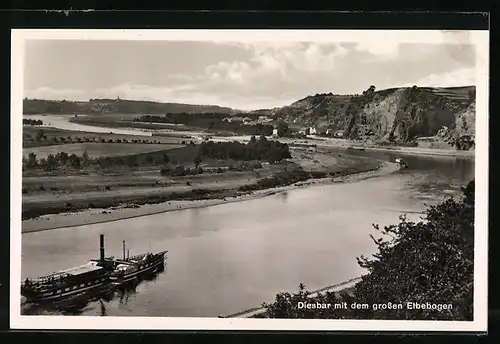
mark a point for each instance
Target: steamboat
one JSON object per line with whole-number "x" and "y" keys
{"x": 70, "y": 282}
{"x": 133, "y": 268}
{"x": 93, "y": 276}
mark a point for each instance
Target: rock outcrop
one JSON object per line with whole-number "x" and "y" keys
{"x": 397, "y": 114}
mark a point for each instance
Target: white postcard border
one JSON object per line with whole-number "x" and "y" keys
{"x": 479, "y": 38}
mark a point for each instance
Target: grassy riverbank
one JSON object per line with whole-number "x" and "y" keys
{"x": 147, "y": 192}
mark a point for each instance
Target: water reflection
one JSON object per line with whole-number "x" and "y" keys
{"x": 101, "y": 298}
{"x": 443, "y": 175}
{"x": 283, "y": 197}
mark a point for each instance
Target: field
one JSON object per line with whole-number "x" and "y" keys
{"x": 63, "y": 191}
{"x": 72, "y": 136}
{"x": 455, "y": 93}
{"x": 95, "y": 150}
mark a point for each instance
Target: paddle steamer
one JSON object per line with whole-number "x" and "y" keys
{"x": 66, "y": 283}
{"x": 92, "y": 276}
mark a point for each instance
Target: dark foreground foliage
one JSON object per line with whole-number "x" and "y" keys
{"x": 429, "y": 262}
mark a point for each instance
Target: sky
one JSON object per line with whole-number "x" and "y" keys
{"x": 250, "y": 75}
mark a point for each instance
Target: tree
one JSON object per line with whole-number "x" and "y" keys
{"x": 51, "y": 163}
{"x": 32, "y": 161}
{"x": 282, "y": 127}
{"x": 42, "y": 163}
{"x": 197, "y": 161}
{"x": 75, "y": 161}
{"x": 85, "y": 157}
{"x": 430, "y": 261}
{"x": 62, "y": 157}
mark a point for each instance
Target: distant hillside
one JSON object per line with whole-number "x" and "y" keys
{"x": 264, "y": 112}
{"x": 109, "y": 106}
{"x": 397, "y": 114}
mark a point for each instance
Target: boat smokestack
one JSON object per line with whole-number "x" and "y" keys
{"x": 123, "y": 243}
{"x": 101, "y": 237}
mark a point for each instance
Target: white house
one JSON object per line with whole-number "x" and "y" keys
{"x": 275, "y": 132}
{"x": 312, "y": 131}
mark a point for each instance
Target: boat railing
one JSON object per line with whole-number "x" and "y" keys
{"x": 50, "y": 278}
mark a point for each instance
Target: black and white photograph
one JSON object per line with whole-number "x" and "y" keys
{"x": 249, "y": 179}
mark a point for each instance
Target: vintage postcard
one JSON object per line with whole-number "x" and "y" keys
{"x": 249, "y": 180}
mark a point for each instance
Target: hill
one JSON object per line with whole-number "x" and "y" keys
{"x": 109, "y": 106}
{"x": 396, "y": 114}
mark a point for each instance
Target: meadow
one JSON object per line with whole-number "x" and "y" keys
{"x": 95, "y": 150}
{"x": 54, "y": 136}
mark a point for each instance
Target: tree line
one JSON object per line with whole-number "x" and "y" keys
{"x": 255, "y": 149}
{"x": 212, "y": 121}
{"x": 54, "y": 161}
{"x": 29, "y": 121}
{"x": 41, "y": 106}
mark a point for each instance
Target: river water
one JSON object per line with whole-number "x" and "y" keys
{"x": 227, "y": 258}
{"x": 62, "y": 122}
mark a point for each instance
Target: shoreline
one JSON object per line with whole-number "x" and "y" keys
{"x": 336, "y": 288}
{"x": 419, "y": 151}
{"x": 100, "y": 215}
{"x": 425, "y": 152}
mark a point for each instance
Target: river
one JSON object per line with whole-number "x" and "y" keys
{"x": 227, "y": 258}
{"x": 62, "y": 122}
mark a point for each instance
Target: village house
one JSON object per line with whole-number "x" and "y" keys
{"x": 275, "y": 132}
{"x": 247, "y": 120}
{"x": 304, "y": 131}
{"x": 312, "y": 131}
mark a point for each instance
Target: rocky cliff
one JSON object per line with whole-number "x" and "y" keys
{"x": 397, "y": 114}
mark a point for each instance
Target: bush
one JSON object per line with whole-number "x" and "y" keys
{"x": 430, "y": 261}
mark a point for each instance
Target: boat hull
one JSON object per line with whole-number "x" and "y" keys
{"x": 55, "y": 294}
{"x": 143, "y": 269}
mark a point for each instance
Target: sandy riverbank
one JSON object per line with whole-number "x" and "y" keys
{"x": 92, "y": 216}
